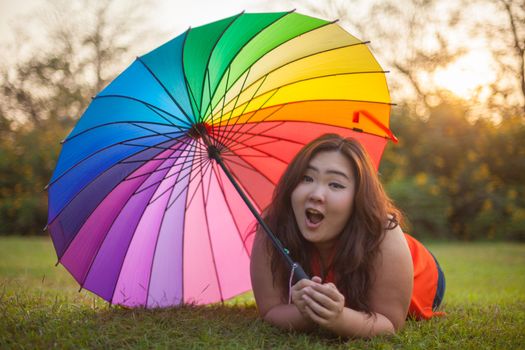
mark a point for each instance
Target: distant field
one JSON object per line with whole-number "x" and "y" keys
{"x": 40, "y": 307}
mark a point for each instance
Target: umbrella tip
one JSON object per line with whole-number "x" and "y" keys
{"x": 58, "y": 262}
{"x": 44, "y": 229}
{"x": 80, "y": 289}
{"x": 46, "y": 187}
{"x": 62, "y": 141}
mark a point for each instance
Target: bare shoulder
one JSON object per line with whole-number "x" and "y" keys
{"x": 392, "y": 287}
{"x": 394, "y": 244}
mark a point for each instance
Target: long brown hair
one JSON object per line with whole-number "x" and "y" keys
{"x": 373, "y": 213}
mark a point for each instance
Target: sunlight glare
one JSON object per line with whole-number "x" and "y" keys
{"x": 468, "y": 74}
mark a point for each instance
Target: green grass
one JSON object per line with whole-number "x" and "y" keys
{"x": 40, "y": 307}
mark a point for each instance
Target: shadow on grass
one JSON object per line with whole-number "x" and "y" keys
{"x": 41, "y": 320}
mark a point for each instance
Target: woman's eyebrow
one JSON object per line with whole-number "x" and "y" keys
{"x": 330, "y": 171}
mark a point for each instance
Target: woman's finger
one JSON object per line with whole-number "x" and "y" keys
{"x": 321, "y": 298}
{"x": 319, "y": 309}
{"x": 330, "y": 290}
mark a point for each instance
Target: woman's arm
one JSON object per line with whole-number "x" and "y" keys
{"x": 269, "y": 297}
{"x": 389, "y": 295}
{"x": 325, "y": 306}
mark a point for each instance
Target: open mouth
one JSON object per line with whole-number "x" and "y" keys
{"x": 314, "y": 216}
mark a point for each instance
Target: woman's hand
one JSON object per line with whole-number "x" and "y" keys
{"x": 323, "y": 303}
{"x": 298, "y": 292}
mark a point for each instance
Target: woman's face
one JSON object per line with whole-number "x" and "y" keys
{"x": 322, "y": 201}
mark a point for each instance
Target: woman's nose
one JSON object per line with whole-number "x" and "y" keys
{"x": 317, "y": 194}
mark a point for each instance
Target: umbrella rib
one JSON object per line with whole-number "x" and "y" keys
{"x": 247, "y": 104}
{"x": 235, "y": 56}
{"x": 206, "y": 71}
{"x": 254, "y": 135}
{"x": 264, "y": 152}
{"x": 126, "y": 254}
{"x": 223, "y": 100}
{"x": 119, "y": 122}
{"x": 158, "y": 236}
{"x": 181, "y": 178}
{"x": 223, "y": 191}
{"x": 240, "y": 164}
{"x": 248, "y": 166}
{"x": 73, "y": 198}
{"x": 227, "y": 134}
{"x": 252, "y": 38}
{"x": 146, "y": 104}
{"x": 190, "y": 180}
{"x": 178, "y": 139}
{"x": 188, "y": 87}
{"x": 253, "y": 125}
{"x": 99, "y": 246}
{"x": 147, "y": 160}
{"x": 303, "y": 57}
{"x": 102, "y": 150}
{"x": 209, "y": 237}
{"x": 389, "y": 135}
{"x": 200, "y": 181}
{"x": 377, "y": 122}
{"x": 129, "y": 244}
{"x": 312, "y": 78}
{"x": 219, "y": 140}
{"x": 178, "y": 179}
{"x": 167, "y": 134}
{"x": 165, "y": 89}
{"x": 122, "y": 143}
{"x": 236, "y": 122}
{"x": 198, "y": 184}
{"x": 199, "y": 163}
{"x": 102, "y": 243}
{"x": 182, "y": 235}
{"x": 181, "y": 138}
{"x": 157, "y": 170}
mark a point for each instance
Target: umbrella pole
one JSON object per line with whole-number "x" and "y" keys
{"x": 298, "y": 272}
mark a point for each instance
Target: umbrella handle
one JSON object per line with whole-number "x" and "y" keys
{"x": 298, "y": 273}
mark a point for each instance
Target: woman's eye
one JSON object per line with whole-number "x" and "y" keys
{"x": 337, "y": 185}
{"x": 307, "y": 178}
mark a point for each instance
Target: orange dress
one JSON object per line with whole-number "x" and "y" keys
{"x": 425, "y": 280}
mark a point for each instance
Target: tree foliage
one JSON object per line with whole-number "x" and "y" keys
{"x": 456, "y": 172}
{"x": 43, "y": 95}
{"x": 457, "y": 178}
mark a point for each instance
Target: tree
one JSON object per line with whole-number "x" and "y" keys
{"x": 407, "y": 37}
{"x": 42, "y": 96}
{"x": 503, "y": 32}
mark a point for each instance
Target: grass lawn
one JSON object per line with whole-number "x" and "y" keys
{"x": 40, "y": 307}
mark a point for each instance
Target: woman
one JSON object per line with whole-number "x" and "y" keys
{"x": 331, "y": 212}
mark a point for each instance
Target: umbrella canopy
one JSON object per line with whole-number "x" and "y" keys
{"x": 141, "y": 215}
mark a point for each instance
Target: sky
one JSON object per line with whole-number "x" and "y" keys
{"x": 175, "y": 16}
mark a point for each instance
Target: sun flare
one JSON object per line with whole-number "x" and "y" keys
{"x": 467, "y": 75}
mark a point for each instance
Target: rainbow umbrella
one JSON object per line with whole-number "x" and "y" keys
{"x": 152, "y": 198}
